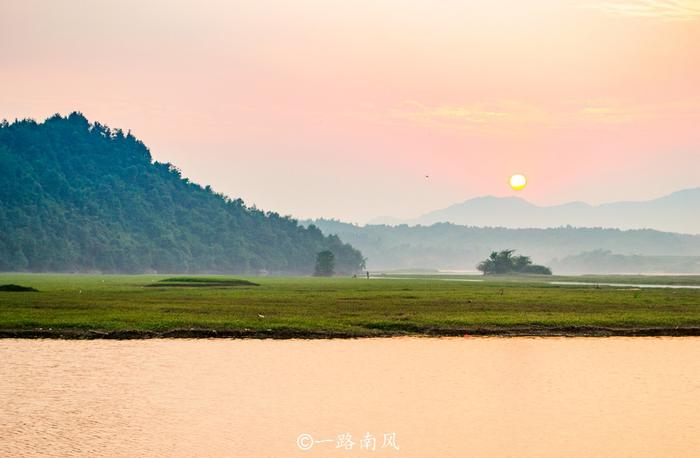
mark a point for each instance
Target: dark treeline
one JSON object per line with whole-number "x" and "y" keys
{"x": 450, "y": 246}
{"x": 82, "y": 197}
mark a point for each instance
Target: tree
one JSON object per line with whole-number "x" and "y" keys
{"x": 325, "y": 263}
{"x": 499, "y": 262}
{"x": 503, "y": 262}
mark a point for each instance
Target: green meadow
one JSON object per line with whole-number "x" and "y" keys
{"x": 120, "y": 306}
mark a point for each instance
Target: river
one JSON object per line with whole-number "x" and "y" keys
{"x": 404, "y": 397}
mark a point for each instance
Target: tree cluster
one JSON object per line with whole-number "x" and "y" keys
{"x": 503, "y": 262}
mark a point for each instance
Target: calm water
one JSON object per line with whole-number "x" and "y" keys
{"x": 545, "y": 397}
{"x": 572, "y": 283}
{"x": 623, "y": 285}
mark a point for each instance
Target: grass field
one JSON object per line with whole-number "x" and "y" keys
{"x": 85, "y": 306}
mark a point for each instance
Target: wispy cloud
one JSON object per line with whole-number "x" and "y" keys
{"x": 475, "y": 116}
{"x": 672, "y": 10}
{"x": 614, "y": 112}
{"x": 514, "y": 116}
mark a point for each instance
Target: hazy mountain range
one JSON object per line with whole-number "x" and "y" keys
{"x": 677, "y": 212}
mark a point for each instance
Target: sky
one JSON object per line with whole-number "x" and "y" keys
{"x": 339, "y": 109}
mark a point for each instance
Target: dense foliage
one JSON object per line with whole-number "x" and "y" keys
{"x": 76, "y": 196}
{"x": 503, "y": 262}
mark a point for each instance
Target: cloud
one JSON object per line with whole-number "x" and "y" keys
{"x": 605, "y": 114}
{"x": 477, "y": 116}
{"x": 612, "y": 112}
{"x": 515, "y": 116}
{"x": 671, "y": 10}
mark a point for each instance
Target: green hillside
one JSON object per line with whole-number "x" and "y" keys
{"x": 81, "y": 197}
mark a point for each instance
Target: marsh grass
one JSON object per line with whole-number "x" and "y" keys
{"x": 337, "y": 305}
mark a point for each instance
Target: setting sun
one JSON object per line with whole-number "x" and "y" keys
{"x": 518, "y": 182}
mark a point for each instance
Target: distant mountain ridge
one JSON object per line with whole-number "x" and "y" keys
{"x": 677, "y": 212}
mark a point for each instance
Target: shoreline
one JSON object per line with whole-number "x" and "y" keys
{"x": 285, "y": 334}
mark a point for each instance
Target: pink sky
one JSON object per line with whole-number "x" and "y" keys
{"x": 340, "y": 108}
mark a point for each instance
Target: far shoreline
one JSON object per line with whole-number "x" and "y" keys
{"x": 286, "y": 334}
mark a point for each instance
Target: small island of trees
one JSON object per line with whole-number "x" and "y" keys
{"x": 503, "y": 262}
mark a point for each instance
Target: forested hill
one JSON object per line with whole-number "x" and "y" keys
{"x": 82, "y": 197}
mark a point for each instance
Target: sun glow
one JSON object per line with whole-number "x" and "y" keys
{"x": 518, "y": 182}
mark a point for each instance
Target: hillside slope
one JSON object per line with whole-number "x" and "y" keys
{"x": 81, "y": 197}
